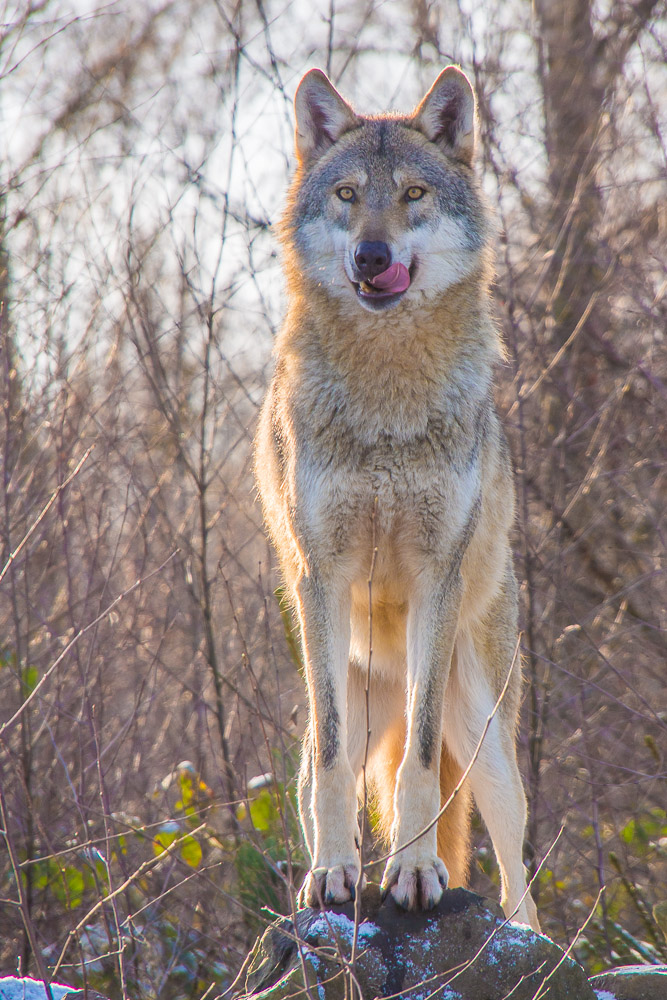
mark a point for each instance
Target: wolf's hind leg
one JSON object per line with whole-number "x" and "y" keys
{"x": 454, "y": 824}
{"x": 386, "y": 743}
{"x": 498, "y": 791}
{"x": 494, "y": 778}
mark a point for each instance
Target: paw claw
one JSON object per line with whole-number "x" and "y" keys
{"x": 415, "y": 886}
{"x": 326, "y": 886}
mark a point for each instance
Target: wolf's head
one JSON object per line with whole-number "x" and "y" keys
{"x": 386, "y": 209}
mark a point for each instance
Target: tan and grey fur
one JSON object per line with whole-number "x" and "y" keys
{"x": 380, "y": 424}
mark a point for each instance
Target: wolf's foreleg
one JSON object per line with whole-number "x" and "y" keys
{"x": 305, "y": 793}
{"x": 415, "y": 875}
{"x": 327, "y": 786}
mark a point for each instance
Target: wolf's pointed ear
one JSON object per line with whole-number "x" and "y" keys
{"x": 322, "y": 116}
{"x": 446, "y": 116}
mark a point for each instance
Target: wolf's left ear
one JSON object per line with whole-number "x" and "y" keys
{"x": 322, "y": 116}
{"x": 446, "y": 116}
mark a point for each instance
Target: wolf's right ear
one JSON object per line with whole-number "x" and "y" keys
{"x": 446, "y": 116}
{"x": 322, "y": 116}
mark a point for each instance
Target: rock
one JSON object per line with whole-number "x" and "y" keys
{"x": 461, "y": 950}
{"x": 632, "y": 982}
{"x": 13, "y": 988}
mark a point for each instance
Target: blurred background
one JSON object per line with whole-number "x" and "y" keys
{"x": 150, "y": 697}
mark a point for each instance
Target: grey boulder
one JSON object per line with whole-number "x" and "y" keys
{"x": 464, "y": 949}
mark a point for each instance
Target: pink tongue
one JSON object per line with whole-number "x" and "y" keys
{"x": 395, "y": 279}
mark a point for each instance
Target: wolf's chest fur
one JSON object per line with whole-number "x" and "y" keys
{"x": 361, "y": 451}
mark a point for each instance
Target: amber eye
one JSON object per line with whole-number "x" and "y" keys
{"x": 346, "y": 193}
{"x": 414, "y": 193}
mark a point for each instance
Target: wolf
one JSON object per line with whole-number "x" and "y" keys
{"x": 379, "y": 446}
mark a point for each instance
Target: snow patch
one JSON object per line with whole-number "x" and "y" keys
{"x": 509, "y": 937}
{"x": 344, "y": 926}
{"x": 31, "y": 989}
{"x": 447, "y": 993}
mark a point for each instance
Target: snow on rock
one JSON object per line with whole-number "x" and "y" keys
{"x": 31, "y": 989}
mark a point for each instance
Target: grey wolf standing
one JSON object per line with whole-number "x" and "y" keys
{"x": 379, "y": 424}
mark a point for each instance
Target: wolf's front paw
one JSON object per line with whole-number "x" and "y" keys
{"x": 415, "y": 886}
{"x": 324, "y": 886}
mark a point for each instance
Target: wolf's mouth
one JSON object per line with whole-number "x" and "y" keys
{"x": 386, "y": 288}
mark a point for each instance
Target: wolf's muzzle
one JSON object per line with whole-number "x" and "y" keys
{"x": 371, "y": 258}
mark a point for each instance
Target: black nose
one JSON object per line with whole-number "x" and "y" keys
{"x": 372, "y": 258}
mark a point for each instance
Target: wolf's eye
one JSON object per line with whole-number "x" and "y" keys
{"x": 346, "y": 193}
{"x": 414, "y": 193}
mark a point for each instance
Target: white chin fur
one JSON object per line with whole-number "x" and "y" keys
{"x": 380, "y": 305}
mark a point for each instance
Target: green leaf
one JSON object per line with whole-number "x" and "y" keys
{"x": 187, "y": 788}
{"x": 75, "y": 885}
{"x": 165, "y": 838}
{"x": 191, "y": 852}
{"x": 628, "y": 832}
{"x": 30, "y": 678}
{"x": 43, "y": 877}
{"x": 263, "y": 812}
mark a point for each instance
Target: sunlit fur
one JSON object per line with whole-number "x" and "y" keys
{"x": 379, "y": 444}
